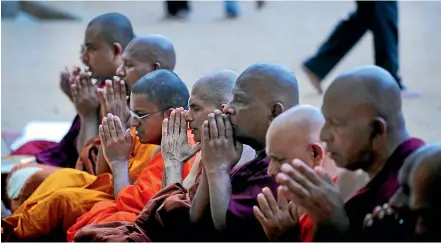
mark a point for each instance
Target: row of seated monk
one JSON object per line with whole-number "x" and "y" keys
{"x": 238, "y": 158}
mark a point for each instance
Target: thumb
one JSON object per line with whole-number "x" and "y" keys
{"x": 129, "y": 137}
{"x": 239, "y": 148}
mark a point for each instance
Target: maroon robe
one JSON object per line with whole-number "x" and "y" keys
{"x": 377, "y": 192}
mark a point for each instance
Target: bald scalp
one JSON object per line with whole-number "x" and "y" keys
{"x": 373, "y": 86}
{"x": 153, "y": 48}
{"x": 302, "y": 121}
{"x": 164, "y": 88}
{"x": 275, "y": 82}
{"x": 216, "y": 87}
{"x": 113, "y": 28}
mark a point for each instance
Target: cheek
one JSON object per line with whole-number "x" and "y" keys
{"x": 131, "y": 77}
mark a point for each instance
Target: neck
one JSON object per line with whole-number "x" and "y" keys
{"x": 394, "y": 140}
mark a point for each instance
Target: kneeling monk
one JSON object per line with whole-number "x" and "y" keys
{"x": 152, "y": 100}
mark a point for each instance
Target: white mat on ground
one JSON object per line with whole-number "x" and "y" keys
{"x": 38, "y": 130}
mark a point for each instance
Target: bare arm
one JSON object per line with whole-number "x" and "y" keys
{"x": 201, "y": 201}
{"x": 121, "y": 177}
{"x": 219, "y": 184}
{"x": 88, "y": 130}
{"x": 101, "y": 165}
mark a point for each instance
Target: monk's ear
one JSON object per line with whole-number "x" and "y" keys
{"x": 156, "y": 66}
{"x": 117, "y": 49}
{"x": 317, "y": 154}
{"x": 379, "y": 127}
{"x": 168, "y": 112}
{"x": 276, "y": 110}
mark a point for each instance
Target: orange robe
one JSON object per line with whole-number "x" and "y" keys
{"x": 131, "y": 200}
{"x": 66, "y": 195}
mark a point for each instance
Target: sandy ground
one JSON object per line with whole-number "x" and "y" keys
{"x": 34, "y": 53}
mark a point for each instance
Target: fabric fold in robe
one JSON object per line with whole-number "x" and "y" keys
{"x": 67, "y": 194}
{"x": 131, "y": 200}
{"x": 164, "y": 218}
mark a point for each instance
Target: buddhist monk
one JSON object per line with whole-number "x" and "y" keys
{"x": 294, "y": 134}
{"x": 165, "y": 217}
{"x": 364, "y": 129}
{"x": 223, "y": 204}
{"x": 152, "y": 99}
{"x": 105, "y": 38}
{"x": 412, "y": 213}
{"x": 91, "y": 188}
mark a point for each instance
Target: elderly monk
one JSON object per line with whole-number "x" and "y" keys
{"x": 223, "y": 204}
{"x": 295, "y": 134}
{"x": 71, "y": 183}
{"x": 165, "y": 217}
{"x": 413, "y": 212}
{"x": 151, "y": 101}
{"x": 105, "y": 39}
{"x": 364, "y": 129}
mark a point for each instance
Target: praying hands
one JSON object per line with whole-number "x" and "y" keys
{"x": 113, "y": 99}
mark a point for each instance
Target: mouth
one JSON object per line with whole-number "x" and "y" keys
{"x": 193, "y": 130}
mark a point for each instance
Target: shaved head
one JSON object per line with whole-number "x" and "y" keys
{"x": 209, "y": 93}
{"x": 156, "y": 49}
{"x": 419, "y": 195}
{"x": 364, "y": 120}
{"x": 295, "y": 134}
{"x": 105, "y": 39}
{"x": 145, "y": 54}
{"x": 113, "y": 27}
{"x": 262, "y": 92}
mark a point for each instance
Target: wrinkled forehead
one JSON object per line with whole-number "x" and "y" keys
{"x": 93, "y": 35}
{"x": 251, "y": 86}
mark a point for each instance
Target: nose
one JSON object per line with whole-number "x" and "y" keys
{"x": 228, "y": 109}
{"x": 273, "y": 168}
{"x": 134, "y": 122}
{"x": 189, "y": 115}
{"x": 121, "y": 71}
{"x": 325, "y": 134}
{"x": 84, "y": 57}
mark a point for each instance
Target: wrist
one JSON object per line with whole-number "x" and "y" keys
{"x": 88, "y": 117}
{"x": 219, "y": 168}
{"x": 118, "y": 162}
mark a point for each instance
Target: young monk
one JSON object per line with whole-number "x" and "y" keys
{"x": 166, "y": 216}
{"x": 364, "y": 129}
{"x": 412, "y": 213}
{"x": 69, "y": 184}
{"x": 225, "y": 197}
{"x": 295, "y": 134}
{"x": 151, "y": 100}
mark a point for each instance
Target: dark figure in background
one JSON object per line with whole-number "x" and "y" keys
{"x": 177, "y": 9}
{"x": 380, "y": 17}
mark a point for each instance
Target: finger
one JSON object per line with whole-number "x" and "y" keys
{"x": 270, "y": 199}
{"x": 213, "y": 126}
{"x": 205, "y": 134}
{"x": 183, "y": 128}
{"x": 118, "y": 126}
{"x": 322, "y": 173}
{"x": 259, "y": 216}
{"x": 164, "y": 130}
{"x": 306, "y": 172}
{"x": 123, "y": 95}
{"x": 220, "y": 124}
{"x": 109, "y": 91}
{"x": 106, "y": 130}
{"x": 293, "y": 210}
{"x": 378, "y": 212}
{"x": 388, "y": 209}
{"x": 101, "y": 98}
{"x": 74, "y": 91}
{"x": 116, "y": 88}
{"x": 264, "y": 206}
{"x": 112, "y": 128}
{"x": 102, "y": 134}
{"x": 84, "y": 85}
{"x": 368, "y": 221}
{"x": 293, "y": 190}
{"x": 129, "y": 138}
{"x": 281, "y": 199}
{"x": 296, "y": 176}
{"x": 177, "y": 125}
{"x": 228, "y": 127}
{"x": 171, "y": 123}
